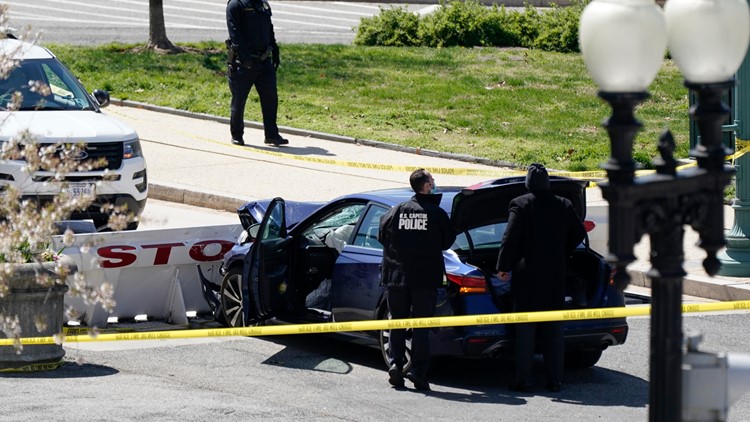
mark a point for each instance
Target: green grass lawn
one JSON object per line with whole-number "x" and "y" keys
{"x": 510, "y": 105}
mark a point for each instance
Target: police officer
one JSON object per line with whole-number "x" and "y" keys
{"x": 413, "y": 235}
{"x": 543, "y": 230}
{"x": 253, "y": 58}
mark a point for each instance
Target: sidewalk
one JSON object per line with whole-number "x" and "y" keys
{"x": 191, "y": 161}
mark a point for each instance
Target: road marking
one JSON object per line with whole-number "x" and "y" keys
{"x": 219, "y": 21}
{"x": 325, "y": 11}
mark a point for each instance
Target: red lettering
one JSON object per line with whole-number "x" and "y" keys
{"x": 116, "y": 256}
{"x": 198, "y": 251}
{"x": 162, "y": 251}
{"x": 124, "y": 258}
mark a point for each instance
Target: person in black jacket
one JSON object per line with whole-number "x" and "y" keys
{"x": 542, "y": 231}
{"x": 414, "y": 235}
{"x": 253, "y": 58}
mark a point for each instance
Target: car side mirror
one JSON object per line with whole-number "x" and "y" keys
{"x": 249, "y": 235}
{"x": 252, "y": 231}
{"x": 102, "y": 97}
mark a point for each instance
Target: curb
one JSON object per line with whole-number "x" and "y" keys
{"x": 191, "y": 196}
{"x": 706, "y": 287}
{"x": 321, "y": 135}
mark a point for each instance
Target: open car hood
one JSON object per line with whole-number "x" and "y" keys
{"x": 487, "y": 202}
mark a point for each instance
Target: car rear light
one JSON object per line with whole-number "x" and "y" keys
{"x": 619, "y": 330}
{"x": 589, "y": 225}
{"x": 468, "y": 284}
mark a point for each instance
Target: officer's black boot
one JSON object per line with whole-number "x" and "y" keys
{"x": 396, "y": 376}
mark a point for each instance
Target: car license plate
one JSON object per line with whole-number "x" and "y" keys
{"x": 78, "y": 190}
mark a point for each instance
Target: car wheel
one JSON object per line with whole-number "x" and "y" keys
{"x": 582, "y": 358}
{"x": 384, "y": 339}
{"x": 231, "y": 298}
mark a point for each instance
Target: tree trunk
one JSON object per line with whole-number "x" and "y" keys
{"x": 157, "y": 32}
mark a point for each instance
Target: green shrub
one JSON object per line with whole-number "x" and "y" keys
{"x": 454, "y": 24}
{"x": 469, "y": 23}
{"x": 393, "y": 27}
{"x": 524, "y": 26}
{"x": 494, "y": 30}
{"x": 558, "y": 29}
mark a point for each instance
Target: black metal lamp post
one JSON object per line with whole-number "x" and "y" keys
{"x": 623, "y": 44}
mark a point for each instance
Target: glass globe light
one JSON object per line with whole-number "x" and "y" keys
{"x": 708, "y": 39}
{"x": 623, "y": 43}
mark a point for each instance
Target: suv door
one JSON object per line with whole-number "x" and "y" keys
{"x": 267, "y": 267}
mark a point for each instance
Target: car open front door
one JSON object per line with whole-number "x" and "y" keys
{"x": 267, "y": 267}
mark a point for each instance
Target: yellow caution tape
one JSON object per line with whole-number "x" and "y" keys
{"x": 743, "y": 147}
{"x": 35, "y": 367}
{"x": 393, "y": 324}
{"x": 741, "y": 143}
{"x": 69, "y": 331}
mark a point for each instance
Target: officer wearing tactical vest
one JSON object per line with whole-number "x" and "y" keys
{"x": 253, "y": 58}
{"x": 414, "y": 235}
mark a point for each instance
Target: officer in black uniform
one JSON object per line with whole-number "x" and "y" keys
{"x": 253, "y": 57}
{"x": 414, "y": 235}
{"x": 543, "y": 230}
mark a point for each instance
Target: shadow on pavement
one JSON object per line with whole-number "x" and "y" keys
{"x": 292, "y": 150}
{"x": 66, "y": 370}
{"x": 469, "y": 380}
{"x": 592, "y": 386}
{"x": 323, "y": 352}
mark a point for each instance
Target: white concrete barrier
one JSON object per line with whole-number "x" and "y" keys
{"x": 153, "y": 272}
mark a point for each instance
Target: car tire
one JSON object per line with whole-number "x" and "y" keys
{"x": 384, "y": 337}
{"x": 231, "y": 298}
{"x": 581, "y": 359}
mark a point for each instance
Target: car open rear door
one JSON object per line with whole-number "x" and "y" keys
{"x": 268, "y": 291}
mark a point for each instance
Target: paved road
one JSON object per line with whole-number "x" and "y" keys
{"x": 312, "y": 378}
{"x": 83, "y": 22}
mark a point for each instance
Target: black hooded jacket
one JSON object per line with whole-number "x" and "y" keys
{"x": 543, "y": 230}
{"x": 414, "y": 235}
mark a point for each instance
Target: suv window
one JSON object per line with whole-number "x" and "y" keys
{"x": 65, "y": 93}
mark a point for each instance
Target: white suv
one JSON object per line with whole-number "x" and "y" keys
{"x": 70, "y": 115}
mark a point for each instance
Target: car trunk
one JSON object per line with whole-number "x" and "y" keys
{"x": 487, "y": 203}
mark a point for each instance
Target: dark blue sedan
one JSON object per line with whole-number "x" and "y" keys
{"x": 310, "y": 262}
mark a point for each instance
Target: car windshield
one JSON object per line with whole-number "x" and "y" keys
{"x": 346, "y": 215}
{"x": 42, "y": 85}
